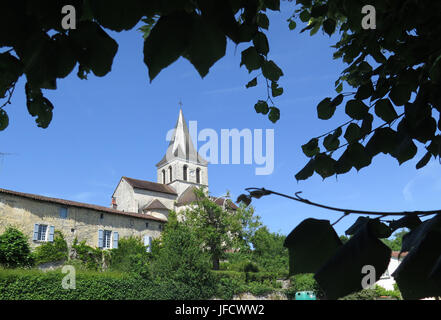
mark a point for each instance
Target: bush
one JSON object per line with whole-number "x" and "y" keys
{"x": 181, "y": 264}
{"x": 304, "y": 282}
{"x": 130, "y": 256}
{"x": 92, "y": 258}
{"x": 14, "y": 249}
{"x": 52, "y": 251}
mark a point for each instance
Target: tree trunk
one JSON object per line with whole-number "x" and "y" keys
{"x": 215, "y": 263}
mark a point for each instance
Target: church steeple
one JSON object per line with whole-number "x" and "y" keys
{"x": 182, "y": 166}
{"x": 181, "y": 146}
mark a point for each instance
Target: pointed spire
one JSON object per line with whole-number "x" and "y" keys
{"x": 181, "y": 145}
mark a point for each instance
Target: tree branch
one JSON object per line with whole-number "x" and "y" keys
{"x": 258, "y": 192}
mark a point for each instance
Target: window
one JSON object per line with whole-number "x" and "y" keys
{"x": 106, "y": 239}
{"x": 160, "y": 226}
{"x": 185, "y": 173}
{"x": 163, "y": 176}
{"x": 146, "y": 224}
{"x": 170, "y": 173}
{"x": 42, "y": 229}
{"x": 43, "y": 232}
{"x": 63, "y": 213}
{"x": 198, "y": 175}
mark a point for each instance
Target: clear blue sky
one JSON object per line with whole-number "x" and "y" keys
{"x": 105, "y": 128}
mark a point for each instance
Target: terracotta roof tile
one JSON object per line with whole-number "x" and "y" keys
{"x": 79, "y": 205}
{"x": 149, "y": 185}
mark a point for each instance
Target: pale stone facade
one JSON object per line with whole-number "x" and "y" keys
{"x": 82, "y": 221}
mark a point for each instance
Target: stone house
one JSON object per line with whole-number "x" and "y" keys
{"x": 138, "y": 207}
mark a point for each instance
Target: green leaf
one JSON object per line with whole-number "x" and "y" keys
{"x": 385, "y": 110}
{"x": 95, "y": 49}
{"x": 413, "y": 273}
{"x": 261, "y": 43}
{"x": 353, "y": 133}
{"x": 304, "y": 16}
{"x": 272, "y": 4}
{"x": 424, "y": 160}
{"x": 310, "y": 245}
{"x": 167, "y": 41}
{"x": 329, "y": 26}
{"x": 400, "y": 94}
{"x": 274, "y": 114}
{"x": 252, "y": 83}
{"x": 409, "y": 221}
{"x": 324, "y": 165}
{"x": 207, "y": 45}
{"x": 356, "y": 109}
{"x": 116, "y": 15}
{"x": 342, "y": 273}
{"x": 357, "y": 156}
{"x": 339, "y": 88}
{"x": 38, "y": 106}
{"x": 405, "y": 149}
{"x": 325, "y": 109}
{"x": 306, "y": 172}
{"x": 292, "y": 25}
{"x": 251, "y": 59}
{"x": 4, "y": 120}
{"x": 331, "y": 142}
{"x": 271, "y": 71}
{"x": 275, "y": 89}
{"x": 261, "y": 107}
{"x": 364, "y": 91}
{"x": 262, "y": 21}
{"x": 414, "y": 237}
{"x": 311, "y": 148}
{"x": 383, "y": 140}
{"x": 378, "y": 229}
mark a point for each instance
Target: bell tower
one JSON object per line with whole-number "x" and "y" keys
{"x": 182, "y": 166}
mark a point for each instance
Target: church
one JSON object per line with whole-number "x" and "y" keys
{"x": 138, "y": 207}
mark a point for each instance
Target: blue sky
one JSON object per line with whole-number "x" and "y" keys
{"x": 105, "y": 128}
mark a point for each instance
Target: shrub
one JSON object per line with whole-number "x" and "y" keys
{"x": 304, "y": 282}
{"x": 181, "y": 264}
{"x": 92, "y": 258}
{"x": 52, "y": 251}
{"x": 14, "y": 249}
{"x": 130, "y": 256}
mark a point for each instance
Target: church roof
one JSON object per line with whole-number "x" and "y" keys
{"x": 181, "y": 146}
{"x": 80, "y": 205}
{"x": 188, "y": 196}
{"x": 149, "y": 185}
{"x": 154, "y": 204}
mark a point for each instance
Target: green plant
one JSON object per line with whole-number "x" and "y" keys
{"x": 52, "y": 251}
{"x": 92, "y": 258}
{"x": 304, "y": 282}
{"x": 130, "y": 256}
{"x": 14, "y": 249}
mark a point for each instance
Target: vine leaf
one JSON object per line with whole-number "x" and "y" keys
{"x": 342, "y": 273}
{"x": 310, "y": 245}
{"x": 413, "y": 273}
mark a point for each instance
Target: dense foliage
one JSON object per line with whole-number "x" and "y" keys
{"x": 220, "y": 228}
{"x": 56, "y": 251}
{"x": 131, "y": 256}
{"x": 14, "y": 249}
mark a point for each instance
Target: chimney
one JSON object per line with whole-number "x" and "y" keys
{"x": 114, "y": 205}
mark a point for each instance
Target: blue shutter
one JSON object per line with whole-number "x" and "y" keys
{"x": 51, "y": 233}
{"x": 115, "y": 240}
{"x": 35, "y": 237}
{"x": 63, "y": 213}
{"x": 100, "y": 238}
{"x": 148, "y": 243}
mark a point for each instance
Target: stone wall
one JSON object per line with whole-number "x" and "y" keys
{"x": 82, "y": 223}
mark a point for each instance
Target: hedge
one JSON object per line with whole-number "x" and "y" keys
{"x": 19, "y": 284}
